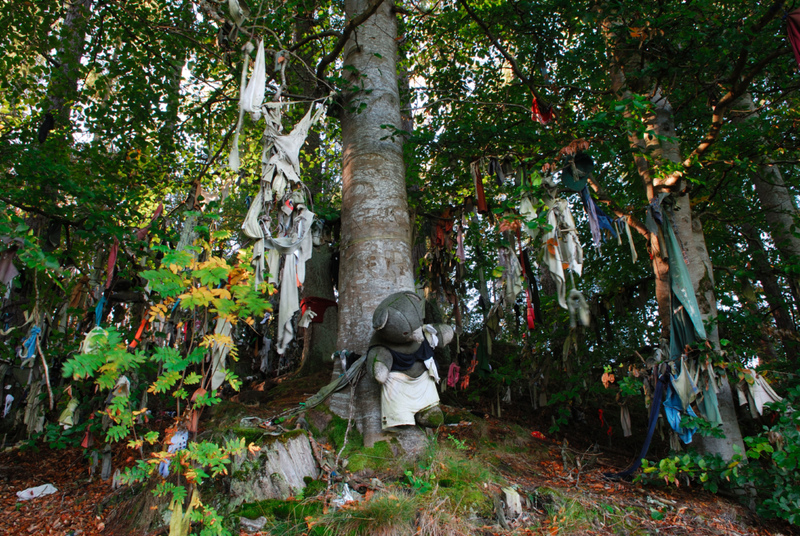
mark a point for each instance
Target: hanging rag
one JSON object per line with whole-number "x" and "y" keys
{"x": 318, "y": 306}
{"x": 98, "y": 310}
{"x": 429, "y": 332}
{"x": 530, "y": 314}
{"x": 685, "y": 384}
{"x": 760, "y": 391}
{"x": 709, "y": 404}
{"x": 477, "y": 180}
{"x": 442, "y": 230}
{"x": 793, "y": 28}
{"x": 233, "y": 158}
{"x": 673, "y": 407}
{"x": 29, "y": 347}
{"x": 575, "y": 175}
{"x": 598, "y": 219}
{"x": 112, "y": 261}
{"x": 141, "y": 234}
{"x": 7, "y": 269}
{"x": 67, "y": 417}
{"x": 33, "y": 417}
{"x": 529, "y": 214}
{"x": 253, "y": 96}
{"x": 625, "y": 420}
{"x": 687, "y": 324}
{"x": 460, "y": 253}
{"x": 139, "y": 332}
{"x": 7, "y": 405}
{"x": 533, "y": 286}
{"x": 96, "y": 337}
{"x": 219, "y": 351}
{"x": 562, "y": 247}
{"x": 453, "y": 374}
{"x": 541, "y": 111}
{"x": 512, "y": 274}
{"x": 578, "y": 309}
{"x": 280, "y": 156}
{"x": 630, "y": 239}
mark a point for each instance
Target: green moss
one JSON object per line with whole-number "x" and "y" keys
{"x": 278, "y": 509}
{"x": 377, "y": 458}
{"x": 384, "y": 514}
{"x": 461, "y": 480}
{"x": 226, "y": 414}
{"x": 314, "y": 487}
{"x": 336, "y": 430}
{"x": 250, "y": 435}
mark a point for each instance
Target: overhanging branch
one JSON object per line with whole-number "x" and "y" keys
{"x": 604, "y": 198}
{"x": 739, "y": 85}
{"x": 354, "y": 23}
{"x": 511, "y": 59}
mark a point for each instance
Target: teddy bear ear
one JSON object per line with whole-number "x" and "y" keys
{"x": 412, "y": 294}
{"x": 380, "y": 318}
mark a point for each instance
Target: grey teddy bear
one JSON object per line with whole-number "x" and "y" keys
{"x": 400, "y": 358}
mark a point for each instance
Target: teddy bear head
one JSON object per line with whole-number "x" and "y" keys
{"x": 398, "y": 318}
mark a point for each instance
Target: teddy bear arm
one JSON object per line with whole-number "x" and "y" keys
{"x": 381, "y": 361}
{"x": 445, "y": 333}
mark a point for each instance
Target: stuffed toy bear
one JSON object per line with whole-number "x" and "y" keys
{"x": 400, "y": 358}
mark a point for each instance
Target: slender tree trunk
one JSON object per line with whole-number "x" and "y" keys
{"x": 688, "y": 232}
{"x": 375, "y": 254}
{"x": 64, "y": 79}
{"x": 319, "y": 340}
{"x": 778, "y": 204}
{"x": 787, "y": 331}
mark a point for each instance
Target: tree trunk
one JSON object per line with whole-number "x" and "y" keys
{"x": 690, "y": 235}
{"x": 787, "y": 331}
{"x": 777, "y": 202}
{"x": 319, "y": 340}
{"x": 375, "y": 254}
{"x": 64, "y": 79}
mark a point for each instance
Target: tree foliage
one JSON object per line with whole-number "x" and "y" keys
{"x": 151, "y": 90}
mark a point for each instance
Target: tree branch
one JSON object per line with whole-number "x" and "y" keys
{"x": 739, "y": 85}
{"x": 352, "y": 24}
{"x": 320, "y": 35}
{"x": 604, "y": 198}
{"x": 40, "y": 212}
{"x": 511, "y": 59}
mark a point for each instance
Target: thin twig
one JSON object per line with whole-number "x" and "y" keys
{"x": 354, "y": 23}
{"x": 46, "y": 373}
{"x": 353, "y": 384}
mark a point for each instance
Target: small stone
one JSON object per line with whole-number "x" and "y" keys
{"x": 251, "y": 526}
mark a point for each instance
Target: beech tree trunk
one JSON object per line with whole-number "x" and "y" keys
{"x": 375, "y": 252}
{"x": 64, "y": 79}
{"x": 786, "y": 330}
{"x": 778, "y": 204}
{"x": 319, "y": 339}
{"x": 688, "y": 231}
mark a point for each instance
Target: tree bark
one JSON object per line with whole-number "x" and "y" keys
{"x": 375, "y": 252}
{"x": 319, "y": 339}
{"x": 777, "y": 202}
{"x": 64, "y": 79}
{"x": 690, "y": 235}
{"x": 787, "y": 331}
